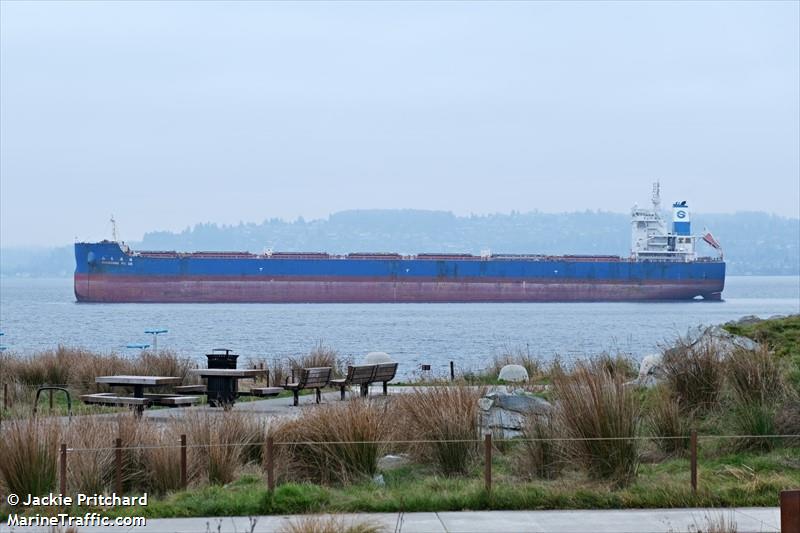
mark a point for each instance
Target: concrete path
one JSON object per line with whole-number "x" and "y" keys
{"x": 752, "y": 519}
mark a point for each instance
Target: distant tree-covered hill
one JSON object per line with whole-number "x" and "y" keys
{"x": 754, "y": 243}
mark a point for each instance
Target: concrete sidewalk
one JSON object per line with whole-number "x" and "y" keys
{"x": 747, "y": 519}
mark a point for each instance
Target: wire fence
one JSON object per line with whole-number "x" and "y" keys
{"x": 269, "y": 445}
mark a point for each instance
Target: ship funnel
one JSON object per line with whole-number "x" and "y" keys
{"x": 681, "y": 220}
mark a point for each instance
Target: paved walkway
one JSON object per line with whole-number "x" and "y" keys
{"x": 271, "y": 406}
{"x": 748, "y": 519}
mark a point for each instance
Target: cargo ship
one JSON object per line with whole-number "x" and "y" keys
{"x": 663, "y": 265}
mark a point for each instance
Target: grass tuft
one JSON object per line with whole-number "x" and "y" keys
{"x": 597, "y": 405}
{"x": 442, "y": 414}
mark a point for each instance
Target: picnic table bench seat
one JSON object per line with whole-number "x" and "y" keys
{"x": 310, "y": 378}
{"x": 361, "y": 375}
{"x": 109, "y": 398}
{"x": 190, "y": 388}
{"x": 265, "y": 391}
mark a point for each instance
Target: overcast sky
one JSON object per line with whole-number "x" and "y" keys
{"x": 168, "y": 114}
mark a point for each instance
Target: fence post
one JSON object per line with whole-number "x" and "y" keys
{"x": 452, "y": 372}
{"x": 487, "y": 462}
{"x": 270, "y": 464}
{"x": 183, "y": 461}
{"x": 63, "y": 465}
{"x": 118, "y": 465}
{"x": 693, "y": 452}
{"x": 790, "y": 510}
{"x": 51, "y": 399}
{"x": 5, "y": 396}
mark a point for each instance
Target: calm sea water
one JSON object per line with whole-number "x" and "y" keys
{"x": 38, "y": 314}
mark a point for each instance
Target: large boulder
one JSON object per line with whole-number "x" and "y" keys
{"x": 720, "y": 339}
{"x": 504, "y": 414}
{"x": 513, "y": 373}
{"x": 376, "y": 358}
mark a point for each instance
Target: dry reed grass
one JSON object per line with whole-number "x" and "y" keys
{"x": 445, "y": 415}
{"x": 320, "y": 356}
{"x": 756, "y": 376}
{"x": 668, "y": 425}
{"x": 228, "y": 441}
{"x": 28, "y": 456}
{"x": 597, "y": 406}
{"x": 330, "y": 524}
{"x": 694, "y": 373}
{"x": 77, "y": 368}
{"x": 337, "y": 443}
{"x": 539, "y": 457}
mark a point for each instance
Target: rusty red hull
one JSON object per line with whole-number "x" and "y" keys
{"x": 103, "y": 288}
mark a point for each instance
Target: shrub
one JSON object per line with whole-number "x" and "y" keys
{"x": 756, "y": 376}
{"x": 335, "y": 443}
{"x": 694, "y": 373}
{"x": 447, "y": 416}
{"x": 29, "y": 454}
{"x": 597, "y": 406}
{"x": 538, "y": 456}
{"x": 668, "y": 424}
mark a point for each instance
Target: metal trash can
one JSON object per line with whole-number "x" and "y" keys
{"x": 222, "y": 390}
{"x": 222, "y": 358}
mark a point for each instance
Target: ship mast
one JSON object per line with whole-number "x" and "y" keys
{"x": 657, "y": 197}
{"x": 113, "y": 228}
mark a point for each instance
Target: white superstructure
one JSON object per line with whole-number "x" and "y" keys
{"x": 650, "y": 237}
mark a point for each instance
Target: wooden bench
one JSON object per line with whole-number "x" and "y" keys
{"x": 172, "y": 400}
{"x": 310, "y": 378}
{"x": 109, "y": 398}
{"x": 360, "y": 375}
{"x": 168, "y": 400}
{"x": 265, "y": 391}
{"x": 384, "y": 373}
{"x": 190, "y": 388}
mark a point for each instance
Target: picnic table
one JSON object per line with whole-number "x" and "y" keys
{"x": 223, "y": 384}
{"x": 139, "y": 400}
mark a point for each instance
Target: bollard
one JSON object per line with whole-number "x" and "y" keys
{"x": 270, "y": 464}
{"x": 63, "y": 465}
{"x": 790, "y": 511}
{"x": 118, "y": 465}
{"x": 693, "y": 451}
{"x": 452, "y": 372}
{"x": 487, "y": 462}
{"x": 51, "y": 399}
{"x": 183, "y": 461}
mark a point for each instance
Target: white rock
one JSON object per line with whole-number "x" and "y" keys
{"x": 513, "y": 373}
{"x": 651, "y": 372}
{"x": 374, "y": 358}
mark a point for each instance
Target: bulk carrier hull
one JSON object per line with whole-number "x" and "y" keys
{"x": 107, "y": 272}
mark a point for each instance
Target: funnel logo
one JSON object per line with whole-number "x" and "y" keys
{"x": 681, "y": 214}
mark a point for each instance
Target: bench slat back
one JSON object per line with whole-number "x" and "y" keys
{"x": 360, "y": 374}
{"x": 315, "y": 377}
{"x": 385, "y": 372}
